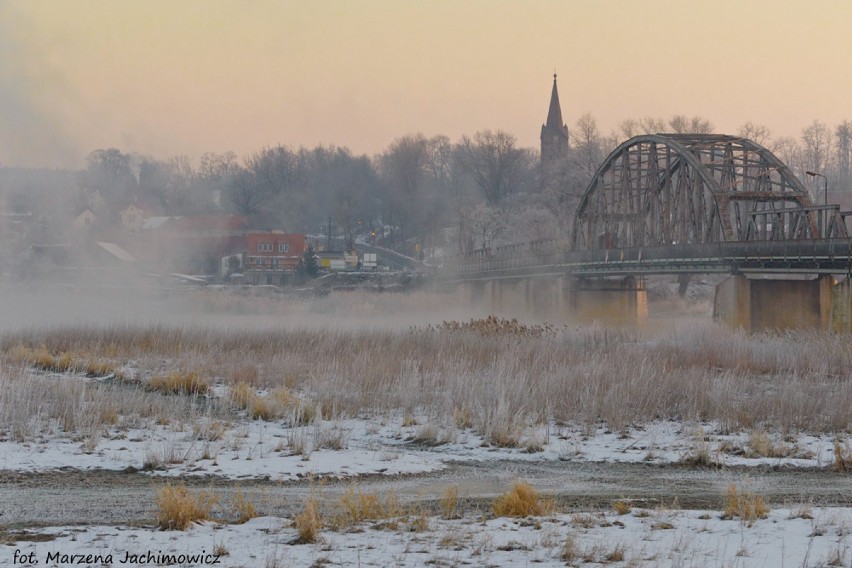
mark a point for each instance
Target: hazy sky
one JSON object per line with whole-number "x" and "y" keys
{"x": 163, "y": 77}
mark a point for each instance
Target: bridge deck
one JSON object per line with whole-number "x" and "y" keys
{"x": 823, "y": 256}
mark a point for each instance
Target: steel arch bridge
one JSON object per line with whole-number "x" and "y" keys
{"x": 682, "y": 203}
{"x": 669, "y": 189}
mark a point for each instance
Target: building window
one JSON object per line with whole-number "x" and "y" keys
{"x": 264, "y": 247}
{"x": 283, "y": 247}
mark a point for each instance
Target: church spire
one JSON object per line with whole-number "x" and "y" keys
{"x": 554, "y": 141}
{"x": 554, "y": 113}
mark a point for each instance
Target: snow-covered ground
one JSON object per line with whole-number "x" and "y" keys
{"x": 345, "y": 448}
{"x": 392, "y": 444}
{"x": 795, "y": 538}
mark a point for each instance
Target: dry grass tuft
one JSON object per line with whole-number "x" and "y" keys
{"x": 745, "y": 505}
{"x": 308, "y": 523}
{"x": 522, "y": 501}
{"x": 842, "y": 455}
{"x": 761, "y": 445}
{"x": 356, "y": 507}
{"x": 369, "y": 507}
{"x": 179, "y": 382}
{"x": 450, "y": 502}
{"x": 700, "y": 454}
{"x": 65, "y": 362}
{"x": 280, "y": 402}
{"x": 616, "y": 554}
{"x": 621, "y": 507}
{"x": 569, "y": 550}
{"x": 244, "y": 507}
{"x": 463, "y": 417}
{"x": 177, "y": 508}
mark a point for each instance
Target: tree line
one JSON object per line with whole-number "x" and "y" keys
{"x": 475, "y": 192}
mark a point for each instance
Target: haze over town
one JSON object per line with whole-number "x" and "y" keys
{"x": 164, "y": 78}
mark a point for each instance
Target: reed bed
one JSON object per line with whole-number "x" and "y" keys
{"x": 33, "y": 406}
{"x": 501, "y": 377}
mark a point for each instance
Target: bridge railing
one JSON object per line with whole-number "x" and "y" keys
{"x": 813, "y": 255}
{"x": 796, "y": 223}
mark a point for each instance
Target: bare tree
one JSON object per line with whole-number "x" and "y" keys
{"x": 681, "y": 124}
{"x": 483, "y": 224}
{"x": 651, "y": 125}
{"x": 788, "y": 151}
{"x": 216, "y": 172}
{"x": 109, "y": 171}
{"x": 248, "y": 193}
{"x": 843, "y": 150}
{"x": 494, "y": 161}
{"x": 275, "y": 168}
{"x": 756, "y": 132}
{"x": 816, "y": 147}
{"x": 403, "y": 169}
{"x": 629, "y": 128}
{"x": 587, "y": 143}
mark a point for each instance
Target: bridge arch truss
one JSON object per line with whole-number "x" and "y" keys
{"x": 667, "y": 189}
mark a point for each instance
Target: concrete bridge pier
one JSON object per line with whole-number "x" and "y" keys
{"x": 841, "y": 306}
{"x": 473, "y": 293}
{"x": 760, "y": 303}
{"x": 542, "y": 298}
{"x": 613, "y": 301}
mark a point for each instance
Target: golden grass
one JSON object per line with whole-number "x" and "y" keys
{"x": 621, "y": 507}
{"x": 743, "y": 504}
{"x": 356, "y": 507}
{"x": 842, "y": 455}
{"x": 761, "y": 445}
{"x": 522, "y": 501}
{"x": 177, "y": 508}
{"x": 244, "y": 507}
{"x": 179, "y": 382}
{"x": 450, "y": 502}
{"x": 64, "y": 362}
{"x": 309, "y": 522}
{"x": 278, "y": 403}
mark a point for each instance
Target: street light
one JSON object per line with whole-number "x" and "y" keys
{"x": 825, "y": 179}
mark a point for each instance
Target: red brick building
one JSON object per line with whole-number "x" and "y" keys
{"x": 272, "y": 255}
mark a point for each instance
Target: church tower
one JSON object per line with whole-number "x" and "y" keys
{"x": 554, "y": 137}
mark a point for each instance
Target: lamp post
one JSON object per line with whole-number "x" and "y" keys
{"x": 824, "y": 179}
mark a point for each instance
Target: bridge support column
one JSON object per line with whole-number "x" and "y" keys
{"x": 474, "y": 293}
{"x": 610, "y": 301}
{"x": 757, "y": 304}
{"x": 544, "y": 297}
{"x": 841, "y": 307}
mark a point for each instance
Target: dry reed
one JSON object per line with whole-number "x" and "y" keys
{"x": 501, "y": 378}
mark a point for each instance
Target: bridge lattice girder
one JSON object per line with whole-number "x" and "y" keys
{"x": 696, "y": 188}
